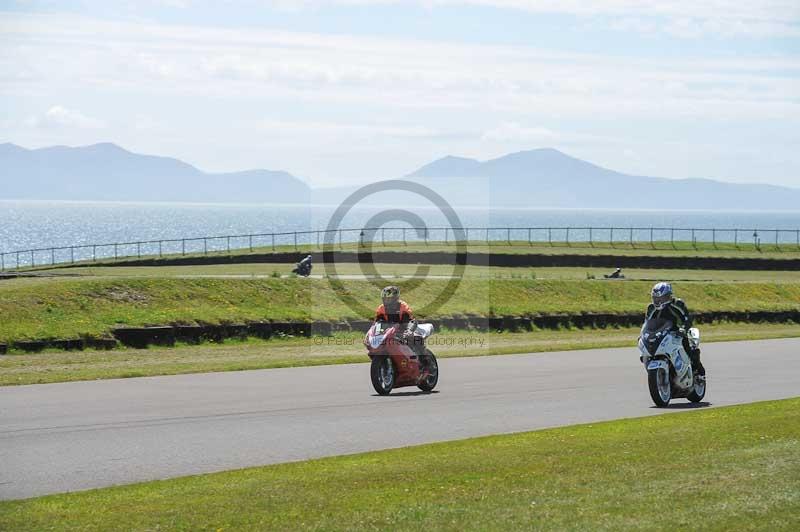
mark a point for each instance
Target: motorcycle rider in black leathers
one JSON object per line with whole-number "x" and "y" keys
{"x": 304, "y": 266}
{"x": 666, "y": 306}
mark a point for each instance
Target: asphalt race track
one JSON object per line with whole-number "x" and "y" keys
{"x": 75, "y": 436}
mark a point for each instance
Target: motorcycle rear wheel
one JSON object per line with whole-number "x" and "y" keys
{"x": 660, "y": 386}
{"x": 382, "y": 374}
{"x": 430, "y": 383}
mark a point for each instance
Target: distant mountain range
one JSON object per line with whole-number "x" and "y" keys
{"x": 106, "y": 172}
{"x": 549, "y": 178}
{"x": 535, "y": 178}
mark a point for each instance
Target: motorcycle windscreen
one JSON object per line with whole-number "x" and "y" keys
{"x": 378, "y": 333}
{"x": 653, "y": 333}
{"x": 656, "y": 325}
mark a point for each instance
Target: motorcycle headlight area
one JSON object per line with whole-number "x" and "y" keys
{"x": 651, "y": 342}
{"x": 376, "y": 341}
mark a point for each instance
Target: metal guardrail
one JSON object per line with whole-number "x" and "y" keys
{"x": 613, "y": 237}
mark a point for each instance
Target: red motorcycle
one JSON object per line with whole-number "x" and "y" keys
{"x": 394, "y": 363}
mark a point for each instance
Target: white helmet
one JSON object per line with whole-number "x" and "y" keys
{"x": 662, "y": 295}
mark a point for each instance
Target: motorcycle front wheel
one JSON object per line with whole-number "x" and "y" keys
{"x": 382, "y": 374}
{"x": 430, "y": 382}
{"x": 698, "y": 390}
{"x": 660, "y": 387}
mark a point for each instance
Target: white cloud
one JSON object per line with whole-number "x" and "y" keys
{"x": 514, "y": 132}
{"x": 58, "y": 116}
{"x": 177, "y": 4}
{"x": 80, "y": 53}
{"x": 347, "y": 131}
{"x": 203, "y": 93}
{"x": 679, "y": 18}
{"x": 759, "y": 10}
{"x": 513, "y": 135}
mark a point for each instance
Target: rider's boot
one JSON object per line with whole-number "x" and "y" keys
{"x": 697, "y": 366}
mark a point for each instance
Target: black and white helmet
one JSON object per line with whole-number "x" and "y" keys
{"x": 662, "y": 295}
{"x": 390, "y": 295}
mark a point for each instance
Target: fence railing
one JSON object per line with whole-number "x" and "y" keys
{"x": 588, "y": 237}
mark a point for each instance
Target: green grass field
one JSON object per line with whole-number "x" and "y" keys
{"x": 624, "y": 248}
{"x": 601, "y": 247}
{"x": 733, "y": 468}
{"x": 406, "y": 270}
{"x": 236, "y": 355}
{"x": 63, "y": 308}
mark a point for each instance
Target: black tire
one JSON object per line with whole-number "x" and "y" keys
{"x": 653, "y": 384}
{"x": 697, "y": 395}
{"x": 433, "y": 379}
{"x": 381, "y": 368}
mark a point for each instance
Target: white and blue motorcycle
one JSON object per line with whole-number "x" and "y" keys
{"x": 669, "y": 368}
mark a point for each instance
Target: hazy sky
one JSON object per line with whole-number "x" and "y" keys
{"x": 354, "y": 90}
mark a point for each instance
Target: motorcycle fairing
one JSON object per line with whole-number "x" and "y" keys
{"x": 376, "y": 340}
{"x": 671, "y": 348}
{"x": 380, "y": 342}
{"x": 378, "y": 334}
{"x": 424, "y": 330}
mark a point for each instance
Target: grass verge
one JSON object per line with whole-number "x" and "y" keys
{"x": 63, "y": 308}
{"x": 389, "y": 271}
{"x": 601, "y": 246}
{"x": 54, "y": 366}
{"x": 734, "y": 468}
